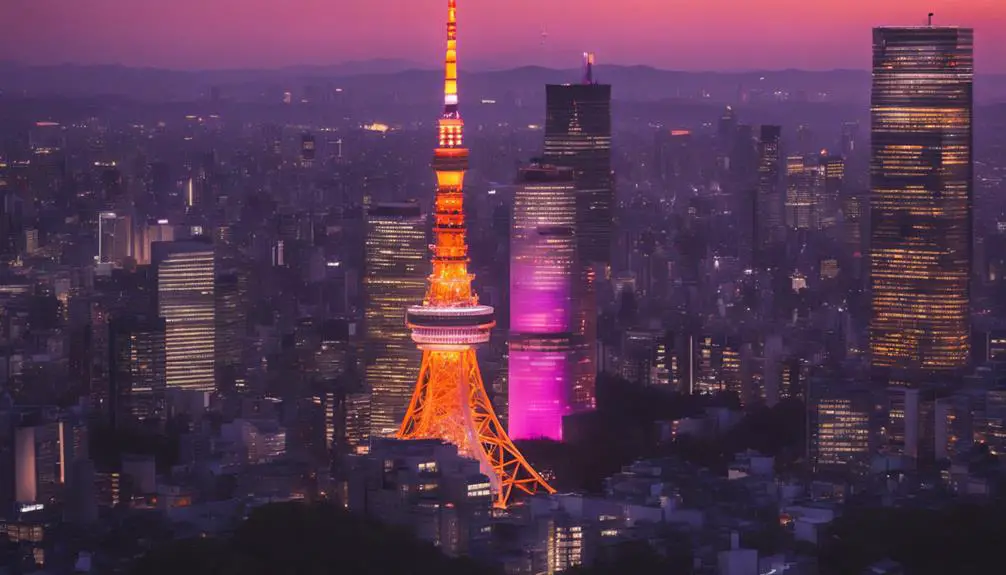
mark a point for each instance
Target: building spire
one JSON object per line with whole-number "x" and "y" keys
{"x": 451, "y": 61}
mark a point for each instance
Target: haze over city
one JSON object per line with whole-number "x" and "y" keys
{"x": 706, "y": 35}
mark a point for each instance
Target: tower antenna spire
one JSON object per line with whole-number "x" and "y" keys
{"x": 451, "y": 61}
{"x": 931, "y": 19}
{"x": 588, "y": 67}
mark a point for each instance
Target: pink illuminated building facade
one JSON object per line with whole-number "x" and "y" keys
{"x": 542, "y": 266}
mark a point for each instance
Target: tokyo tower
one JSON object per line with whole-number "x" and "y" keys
{"x": 450, "y": 401}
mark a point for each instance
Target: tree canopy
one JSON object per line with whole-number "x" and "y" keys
{"x": 304, "y": 539}
{"x": 966, "y": 538}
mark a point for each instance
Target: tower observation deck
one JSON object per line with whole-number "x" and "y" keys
{"x": 450, "y": 401}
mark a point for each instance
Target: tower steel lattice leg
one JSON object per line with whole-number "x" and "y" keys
{"x": 450, "y": 403}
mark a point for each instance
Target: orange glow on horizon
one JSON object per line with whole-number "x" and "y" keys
{"x": 262, "y": 33}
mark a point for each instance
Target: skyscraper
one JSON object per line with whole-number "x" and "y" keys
{"x": 578, "y": 136}
{"x": 136, "y": 371}
{"x": 148, "y": 233}
{"x": 804, "y": 183}
{"x": 12, "y": 223}
{"x": 852, "y": 227}
{"x": 542, "y": 278}
{"x": 768, "y": 212}
{"x": 114, "y": 238}
{"x": 34, "y": 452}
{"x": 185, "y": 273}
{"x": 230, "y": 318}
{"x": 833, "y": 172}
{"x": 39, "y": 462}
{"x": 395, "y": 278}
{"x": 673, "y": 161}
{"x": 921, "y": 198}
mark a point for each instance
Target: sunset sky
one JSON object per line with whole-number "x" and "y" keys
{"x": 675, "y": 34}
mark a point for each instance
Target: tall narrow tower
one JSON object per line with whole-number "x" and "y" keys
{"x": 921, "y": 201}
{"x": 542, "y": 279}
{"x": 767, "y": 226}
{"x": 578, "y": 136}
{"x": 186, "y": 300}
{"x": 450, "y": 401}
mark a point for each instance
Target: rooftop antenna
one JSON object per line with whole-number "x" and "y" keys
{"x": 588, "y": 67}
{"x": 931, "y": 19}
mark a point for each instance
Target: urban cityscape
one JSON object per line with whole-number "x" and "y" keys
{"x": 560, "y": 315}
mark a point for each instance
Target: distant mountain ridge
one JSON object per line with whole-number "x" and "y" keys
{"x": 414, "y": 82}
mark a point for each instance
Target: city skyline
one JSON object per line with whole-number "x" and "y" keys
{"x": 304, "y": 32}
{"x": 608, "y": 320}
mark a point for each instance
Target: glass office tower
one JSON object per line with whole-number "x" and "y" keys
{"x": 578, "y": 136}
{"x": 542, "y": 278}
{"x": 768, "y": 204}
{"x": 395, "y": 277}
{"x": 185, "y": 272}
{"x": 921, "y": 198}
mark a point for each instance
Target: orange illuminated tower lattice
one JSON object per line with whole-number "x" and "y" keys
{"x": 450, "y": 401}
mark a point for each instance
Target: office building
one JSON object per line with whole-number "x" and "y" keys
{"x": 542, "y": 280}
{"x": 395, "y": 278}
{"x": 12, "y": 224}
{"x": 152, "y": 231}
{"x": 355, "y": 417}
{"x": 802, "y": 194}
{"x": 768, "y": 208}
{"x": 186, "y": 282}
{"x": 137, "y": 369}
{"x": 833, "y": 173}
{"x": 230, "y": 319}
{"x": 564, "y": 544}
{"x": 39, "y": 460}
{"x": 578, "y": 136}
{"x": 674, "y": 165}
{"x": 333, "y": 357}
{"x": 427, "y": 487}
{"x": 115, "y": 238}
{"x": 921, "y": 199}
{"x": 647, "y": 357}
{"x": 840, "y": 431}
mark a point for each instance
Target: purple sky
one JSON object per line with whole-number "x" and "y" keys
{"x": 678, "y": 34}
